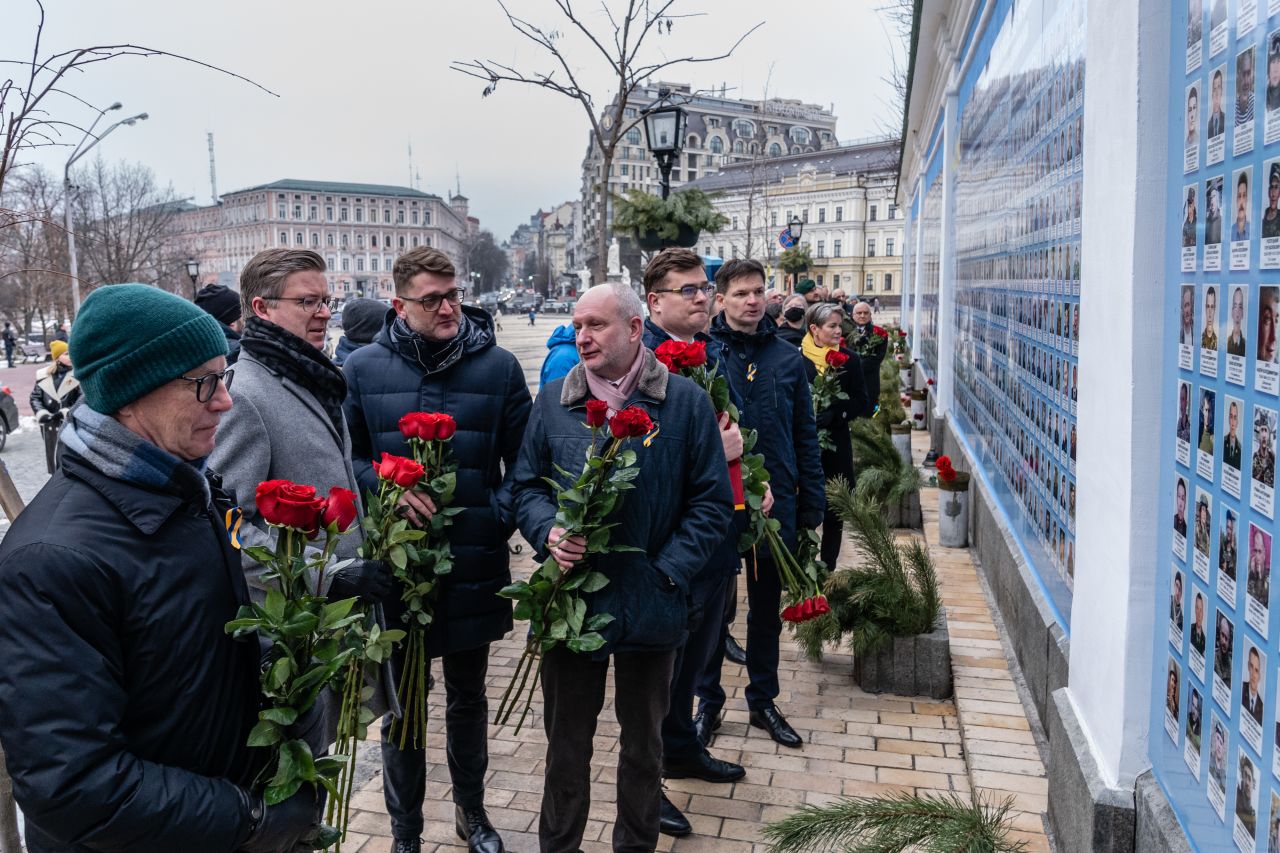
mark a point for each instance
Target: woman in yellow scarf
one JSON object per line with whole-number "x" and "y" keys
{"x": 822, "y": 339}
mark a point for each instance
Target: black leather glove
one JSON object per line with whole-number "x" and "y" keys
{"x": 282, "y": 826}
{"x": 371, "y": 580}
{"x": 809, "y": 518}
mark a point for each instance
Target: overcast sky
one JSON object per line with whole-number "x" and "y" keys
{"x": 356, "y": 81}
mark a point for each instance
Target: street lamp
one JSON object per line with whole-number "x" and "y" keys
{"x": 193, "y": 270}
{"x": 81, "y": 150}
{"x": 796, "y": 227}
{"x": 665, "y": 122}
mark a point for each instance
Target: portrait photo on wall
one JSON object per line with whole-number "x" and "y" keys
{"x": 1183, "y": 425}
{"x": 1190, "y": 233}
{"x": 1199, "y": 605}
{"x": 1216, "y": 127}
{"x": 1206, "y": 424}
{"x": 1213, "y": 224}
{"x": 1176, "y": 608}
{"x": 1242, "y": 133}
{"x": 1228, "y": 555}
{"x": 1259, "y": 585}
{"x": 1195, "y": 34}
{"x": 1233, "y": 447}
{"x": 1237, "y": 338}
{"x": 1194, "y": 730}
{"x": 1240, "y": 180}
{"x": 1263, "y": 474}
{"x": 1266, "y": 352}
{"x": 1271, "y": 130}
{"x": 1186, "y": 324}
{"x": 1180, "y": 518}
{"x": 1203, "y": 530}
{"x": 1219, "y": 742}
{"x": 1252, "y": 690}
{"x": 1224, "y": 636}
{"x": 1246, "y": 810}
{"x": 1191, "y": 138}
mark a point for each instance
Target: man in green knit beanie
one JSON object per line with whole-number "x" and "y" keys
{"x": 125, "y": 707}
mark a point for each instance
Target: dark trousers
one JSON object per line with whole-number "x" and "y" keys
{"x": 711, "y": 694}
{"x": 466, "y": 721}
{"x": 573, "y": 695}
{"x": 706, "y": 633}
{"x": 764, "y": 627}
{"x": 832, "y": 537}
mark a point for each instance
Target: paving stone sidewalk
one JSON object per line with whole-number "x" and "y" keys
{"x": 855, "y": 743}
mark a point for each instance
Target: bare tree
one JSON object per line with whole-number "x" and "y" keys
{"x": 127, "y": 226}
{"x": 899, "y": 17}
{"x": 31, "y": 246}
{"x": 620, "y": 44}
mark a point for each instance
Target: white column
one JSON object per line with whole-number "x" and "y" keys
{"x": 915, "y": 279}
{"x": 1121, "y": 352}
{"x": 944, "y": 393}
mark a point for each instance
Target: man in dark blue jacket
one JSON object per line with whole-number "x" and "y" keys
{"x": 674, "y": 518}
{"x": 680, "y": 298}
{"x": 438, "y": 356}
{"x": 770, "y": 376}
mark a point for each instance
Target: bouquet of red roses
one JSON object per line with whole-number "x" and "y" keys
{"x": 868, "y": 344}
{"x": 419, "y": 556}
{"x": 946, "y": 472}
{"x": 826, "y": 391}
{"x": 311, "y": 639}
{"x": 551, "y": 599}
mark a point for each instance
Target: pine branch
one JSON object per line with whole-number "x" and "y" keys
{"x": 896, "y": 822}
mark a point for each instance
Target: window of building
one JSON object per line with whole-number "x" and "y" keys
{"x": 386, "y": 215}
{"x": 426, "y": 217}
{"x": 413, "y": 217}
{"x": 633, "y": 136}
{"x": 359, "y": 214}
{"x": 359, "y": 264}
{"x": 311, "y": 212}
{"x": 735, "y": 251}
{"x": 789, "y": 216}
{"x": 315, "y": 240}
{"x": 626, "y": 169}
{"x": 415, "y": 241}
{"x": 775, "y": 150}
{"x": 630, "y": 112}
{"x": 871, "y": 247}
{"x": 342, "y": 214}
{"x": 735, "y": 223}
{"x": 839, "y": 214}
{"x": 717, "y": 145}
{"x": 888, "y": 247}
{"x": 297, "y": 211}
{"x": 720, "y": 254}
{"x": 328, "y": 239}
{"x": 329, "y": 261}
{"x": 712, "y": 121}
{"x": 738, "y": 147}
{"x": 344, "y": 241}
{"x": 872, "y": 214}
{"x": 328, "y": 212}
{"x": 773, "y": 130}
{"x": 822, "y": 249}
{"x": 893, "y": 211}
{"x": 888, "y": 281}
{"x": 870, "y": 283}
{"x": 359, "y": 241}
{"x": 804, "y": 216}
{"x": 822, "y": 214}
{"x": 835, "y": 249}
{"x": 742, "y": 127}
{"x": 818, "y": 281}
{"x": 800, "y": 135}
{"x": 346, "y": 265}
{"x": 399, "y": 217}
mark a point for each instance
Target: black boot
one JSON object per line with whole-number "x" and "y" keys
{"x": 413, "y": 845}
{"x": 474, "y": 828}
{"x": 733, "y": 651}
{"x": 672, "y": 822}
{"x": 772, "y": 721}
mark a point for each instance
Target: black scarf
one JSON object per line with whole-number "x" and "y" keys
{"x": 298, "y": 360}
{"x": 433, "y": 356}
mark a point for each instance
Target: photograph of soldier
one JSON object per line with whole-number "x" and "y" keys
{"x": 1237, "y": 344}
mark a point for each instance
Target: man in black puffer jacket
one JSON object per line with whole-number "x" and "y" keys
{"x": 770, "y": 376}
{"x": 437, "y": 356}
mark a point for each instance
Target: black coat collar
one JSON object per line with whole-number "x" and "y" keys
{"x": 146, "y": 509}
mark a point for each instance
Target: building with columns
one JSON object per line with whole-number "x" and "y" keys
{"x": 359, "y": 229}
{"x": 1108, "y": 372}
{"x": 846, "y": 198}
{"x": 720, "y": 130}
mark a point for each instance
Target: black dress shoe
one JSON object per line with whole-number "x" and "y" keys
{"x": 704, "y": 767}
{"x": 734, "y": 652}
{"x": 673, "y": 823}
{"x": 474, "y": 828}
{"x": 776, "y": 725}
{"x": 705, "y": 726}
{"x": 411, "y": 846}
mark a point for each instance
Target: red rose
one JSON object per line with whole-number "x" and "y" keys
{"x": 339, "y": 509}
{"x": 695, "y": 354}
{"x": 287, "y": 504}
{"x": 821, "y": 606}
{"x": 446, "y": 426}
{"x": 835, "y": 358}
{"x": 668, "y": 352}
{"x": 881, "y": 332}
{"x": 789, "y": 614}
{"x": 419, "y": 425}
{"x": 930, "y": 382}
{"x": 597, "y": 413}
{"x": 403, "y": 472}
{"x": 631, "y": 422}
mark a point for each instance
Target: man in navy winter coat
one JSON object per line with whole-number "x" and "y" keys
{"x": 770, "y": 376}
{"x": 438, "y": 356}
{"x": 674, "y": 518}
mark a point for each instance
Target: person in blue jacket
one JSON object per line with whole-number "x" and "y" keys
{"x": 770, "y": 375}
{"x": 562, "y": 355}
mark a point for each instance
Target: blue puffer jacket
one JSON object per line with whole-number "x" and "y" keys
{"x": 486, "y": 394}
{"x": 777, "y": 404}
{"x": 677, "y": 514}
{"x": 562, "y": 355}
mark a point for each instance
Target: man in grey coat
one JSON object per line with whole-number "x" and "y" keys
{"x": 287, "y": 421}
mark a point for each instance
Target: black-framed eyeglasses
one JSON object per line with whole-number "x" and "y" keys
{"x": 310, "y": 304}
{"x": 689, "y": 291}
{"x": 207, "y": 385}
{"x": 431, "y": 303}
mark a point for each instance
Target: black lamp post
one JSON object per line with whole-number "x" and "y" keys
{"x": 193, "y": 270}
{"x": 795, "y": 227}
{"x": 665, "y": 124}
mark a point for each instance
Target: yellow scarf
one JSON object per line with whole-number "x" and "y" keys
{"x": 818, "y": 355}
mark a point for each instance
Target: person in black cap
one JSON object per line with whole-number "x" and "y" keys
{"x": 362, "y": 319}
{"x": 1271, "y": 213}
{"x": 1273, "y": 73}
{"x": 223, "y": 304}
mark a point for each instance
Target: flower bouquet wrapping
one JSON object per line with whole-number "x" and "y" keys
{"x": 552, "y": 599}
{"x": 826, "y": 391}
{"x": 309, "y": 639}
{"x": 419, "y": 556}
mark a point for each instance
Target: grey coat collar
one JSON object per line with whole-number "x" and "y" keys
{"x": 652, "y": 384}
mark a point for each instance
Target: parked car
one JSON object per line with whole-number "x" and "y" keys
{"x": 8, "y": 414}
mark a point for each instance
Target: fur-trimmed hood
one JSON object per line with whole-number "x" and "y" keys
{"x": 652, "y": 385}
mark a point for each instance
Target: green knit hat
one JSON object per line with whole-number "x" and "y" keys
{"x": 805, "y": 286}
{"x": 129, "y": 339}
